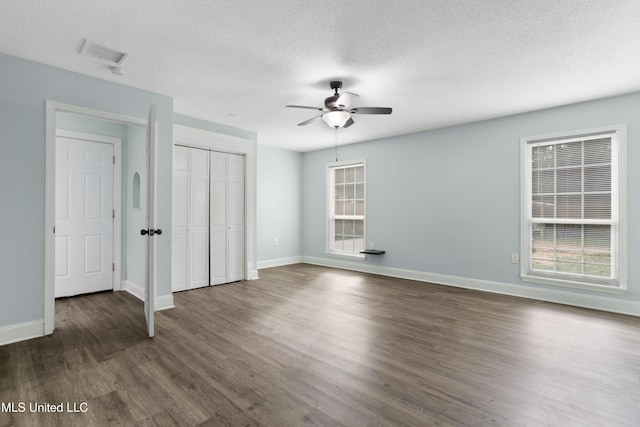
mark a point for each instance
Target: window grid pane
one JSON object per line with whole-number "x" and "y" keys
{"x": 578, "y": 176}
{"x": 348, "y": 209}
{"x": 572, "y": 249}
{"x": 572, "y": 181}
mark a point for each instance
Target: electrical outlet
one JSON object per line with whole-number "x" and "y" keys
{"x": 276, "y": 242}
{"x": 515, "y": 259}
{"x": 373, "y": 245}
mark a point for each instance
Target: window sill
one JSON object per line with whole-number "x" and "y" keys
{"x": 573, "y": 284}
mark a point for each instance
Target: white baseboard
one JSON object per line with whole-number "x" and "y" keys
{"x": 253, "y": 275}
{"x": 163, "y": 302}
{"x": 134, "y": 289}
{"x": 21, "y": 331}
{"x": 596, "y": 302}
{"x": 279, "y": 262}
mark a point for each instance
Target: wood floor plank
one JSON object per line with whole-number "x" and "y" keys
{"x": 308, "y": 345}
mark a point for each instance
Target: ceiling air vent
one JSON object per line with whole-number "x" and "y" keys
{"x": 111, "y": 56}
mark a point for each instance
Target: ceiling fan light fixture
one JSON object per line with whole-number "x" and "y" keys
{"x": 336, "y": 119}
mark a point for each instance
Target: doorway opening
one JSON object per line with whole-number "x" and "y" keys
{"x": 138, "y": 152}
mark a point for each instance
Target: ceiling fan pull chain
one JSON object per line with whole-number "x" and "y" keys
{"x": 336, "y": 142}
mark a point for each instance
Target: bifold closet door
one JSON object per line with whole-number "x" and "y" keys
{"x": 190, "y": 249}
{"x": 227, "y": 217}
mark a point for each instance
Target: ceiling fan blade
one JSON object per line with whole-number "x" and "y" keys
{"x": 346, "y": 99}
{"x": 304, "y": 106}
{"x": 348, "y": 122}
{"x": 371, "y": 110}
{"x": 306, "y": 122}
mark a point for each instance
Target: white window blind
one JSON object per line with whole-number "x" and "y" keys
{"x": 571, "y": 209}
{"x": 346, "y": 230}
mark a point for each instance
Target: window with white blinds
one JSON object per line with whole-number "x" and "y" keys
{"x": 346, "y": 190}
{"x": 571, "y": 210}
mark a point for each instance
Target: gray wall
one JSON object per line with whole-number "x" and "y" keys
{"x": 448, "y": 201}
{"x": 24, "y": 88}
{"x": 91, "y": 125}
{"x": 279, "y": 204}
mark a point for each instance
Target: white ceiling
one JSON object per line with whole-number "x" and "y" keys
{"x": 435, "y": 62}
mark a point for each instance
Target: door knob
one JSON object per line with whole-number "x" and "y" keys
{"x": 150, "y": 232}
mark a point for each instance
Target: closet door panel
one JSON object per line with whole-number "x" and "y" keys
{"x": 199, "y": 212}
{"x": 218, "y": 257}
{"x": 199, "y": 219}
{"x": 236, "y": 220}
{"x": 199, "y": 260}
{"x": 179, "y": 247}
{"x": 236, "y": 256}
{"x": 179, "y": 273}
{"x": 219, "y": 219}
{"x": 218, "y": 203}
{"x": 236, "y": 204}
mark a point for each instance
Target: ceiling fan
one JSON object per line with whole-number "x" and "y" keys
{"x": 337, "y": 109}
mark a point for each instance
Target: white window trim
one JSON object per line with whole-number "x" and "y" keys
{"x": 621, "y": 247}
{"x": 329, "y": 191}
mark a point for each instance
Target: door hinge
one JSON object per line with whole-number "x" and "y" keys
{"x": 114, "y": 160}
{"x": 113, "y": 266}
{"x": 113, "y": 213}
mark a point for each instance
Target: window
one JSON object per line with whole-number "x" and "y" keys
{"x": 346, "y": 228}
{"x": 572, "y": 227}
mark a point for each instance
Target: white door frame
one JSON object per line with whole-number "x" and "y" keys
{"x": 117, "y": 193}
{"x": 51, "y": 109}
{"x": 209, "y": 140}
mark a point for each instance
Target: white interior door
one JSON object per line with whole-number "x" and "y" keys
{"x": 83, "y": 217}
{"x": 151, "y": 230}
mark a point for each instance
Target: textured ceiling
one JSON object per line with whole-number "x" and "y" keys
{"x": 436, "y": 63}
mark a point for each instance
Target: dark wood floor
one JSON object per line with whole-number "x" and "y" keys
{"x": 307, "y": 345}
